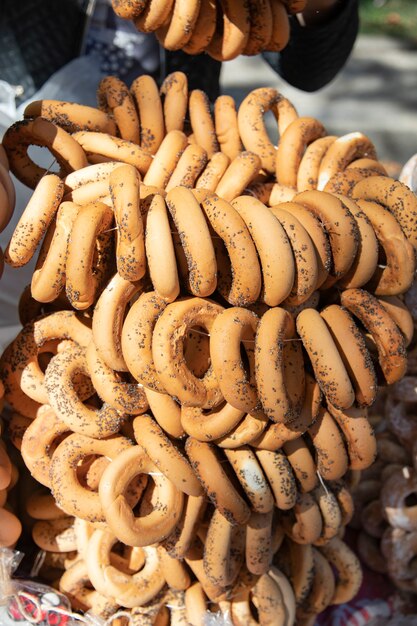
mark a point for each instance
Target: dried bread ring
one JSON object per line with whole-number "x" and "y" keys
{"x": 125, "y": 397}
{"x": 273, "y": 247}
{"x": 261, "y": 23}
{"x": 146, "y": 529}
{"x": 35, "y": 220}
{"x": 223, "y": 550}
{"x": 398, "y": 274}
{"x": 168, "y": 352}
{"x": 76, "y": 584}
{"x": 230, "y": 41}
{"x": 394, "y": 196}
{"x": 323, "y": 588}
{"x": 167, "y": 413}
{"x": 305, "y": 258}
{"x": 38, "y": 443}
{"x": 48, "y": 278}
{"x": 292, "y": 145}
{"x": 128, "y": 590}
{"x": 192, "y": 162}
{"x": 332, "y": 460}
{"x": 136, "y": 339}
{"x": 251, "y": 125}
{"x": 206, "y": 426}
{"x": 302, "y": 464}
{"x": 204, "y": 28}
{"x": 145, "y": 93}
{"x": 318, "y": 236}
{"x": 114, "y": 149}
{"x": 213, "y": 172}
{"x": 303, "y": 524}
{"x": 394, "y": 493}
{"x": 114, "y": 98}
{"x": 154, "y": 15}
{"x": 166, "y": 455}
{"x": 401, "y": 315}
{"x": 97, "y": 173}
{"x": 178, "y": 543}
{"x": 280, "y": 477}
{"x": 245, "y": 432}
{"x": 348, "y": 569}
{"x": 278, "y": 433}
{"x": 308, "y": 169}
{"x": 108, "y": 320}
{"x": 128, "y": 9}
{"x": 358, "y": 434}
{"x": 331, "y": 514}
{"x": 341, "y": 152}
{"x": 231, "y": 328}
{"x": 175, "y": 33}
{"x": 215, "y": 481}
{"x": 82, "y": 282}
{"x": 241, "y": 172}
{"x": 385, "y": 333}
{"x": 258, "y": 546}
{"x": 325, "y": 358}
{"x": 166, "y": 159}
{"x": 281, "y": 401}
{"x": 55, "y": 535}
{"x": 162, "y": 267}
{"x": 71, "y": 116}
{"x": 353, "y": 351}
{"x": 340, "y": 225}
{"x": 65, "y": 401}
{"x": 68, "y": 492}
{"x": 366, "y": 260}
{"x": 175, "y": 92}
{"x": 174, "y": 571}
{"x": 202, "y": 122}
{"x": 20, "y": 365}
{"x": 280, "y": 27}
{"x": 246, "y": 275}
{"x": 266, "y": 596}
{"x": 226, "y": 125}
{"x": 124, "y": 182}
{"x": 195, "y": 240}
{"x": 251, "y": 477}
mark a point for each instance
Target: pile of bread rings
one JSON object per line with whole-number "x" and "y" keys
{"x": 223, "y": 29}
{"x": 385, "y": 506}
{"x": 209, "y": 320}
{"x": 10, "y": 526}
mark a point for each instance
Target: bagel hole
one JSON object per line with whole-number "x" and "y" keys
{"x": 410, "y": 500}
{"x": 271, "y": 126}
{"x": 126, "y": 559}
{"x": 253, "y": 609}
{"x": 197, "y": 351}
{"x": 44, "y": 158}
{"x": 90, "y": 470}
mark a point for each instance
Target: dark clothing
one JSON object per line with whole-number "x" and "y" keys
{"x": 38, "y": 37}
{"x": 315, "y": 54}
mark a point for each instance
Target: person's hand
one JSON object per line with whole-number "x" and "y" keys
{"x": 319, "y": 11}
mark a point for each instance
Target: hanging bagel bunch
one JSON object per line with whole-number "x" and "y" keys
{"x": 385, "y": 499}
{"x": 209, "y": 319}
{"x": 10, "y": 526}
{"x": 224, "y": 29}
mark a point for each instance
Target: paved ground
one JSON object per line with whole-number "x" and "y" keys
{"x": 375, "y": 93}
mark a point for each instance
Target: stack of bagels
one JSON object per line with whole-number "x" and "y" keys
{"x": 224, "y": 29}
{"x": 209, "y": 320}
